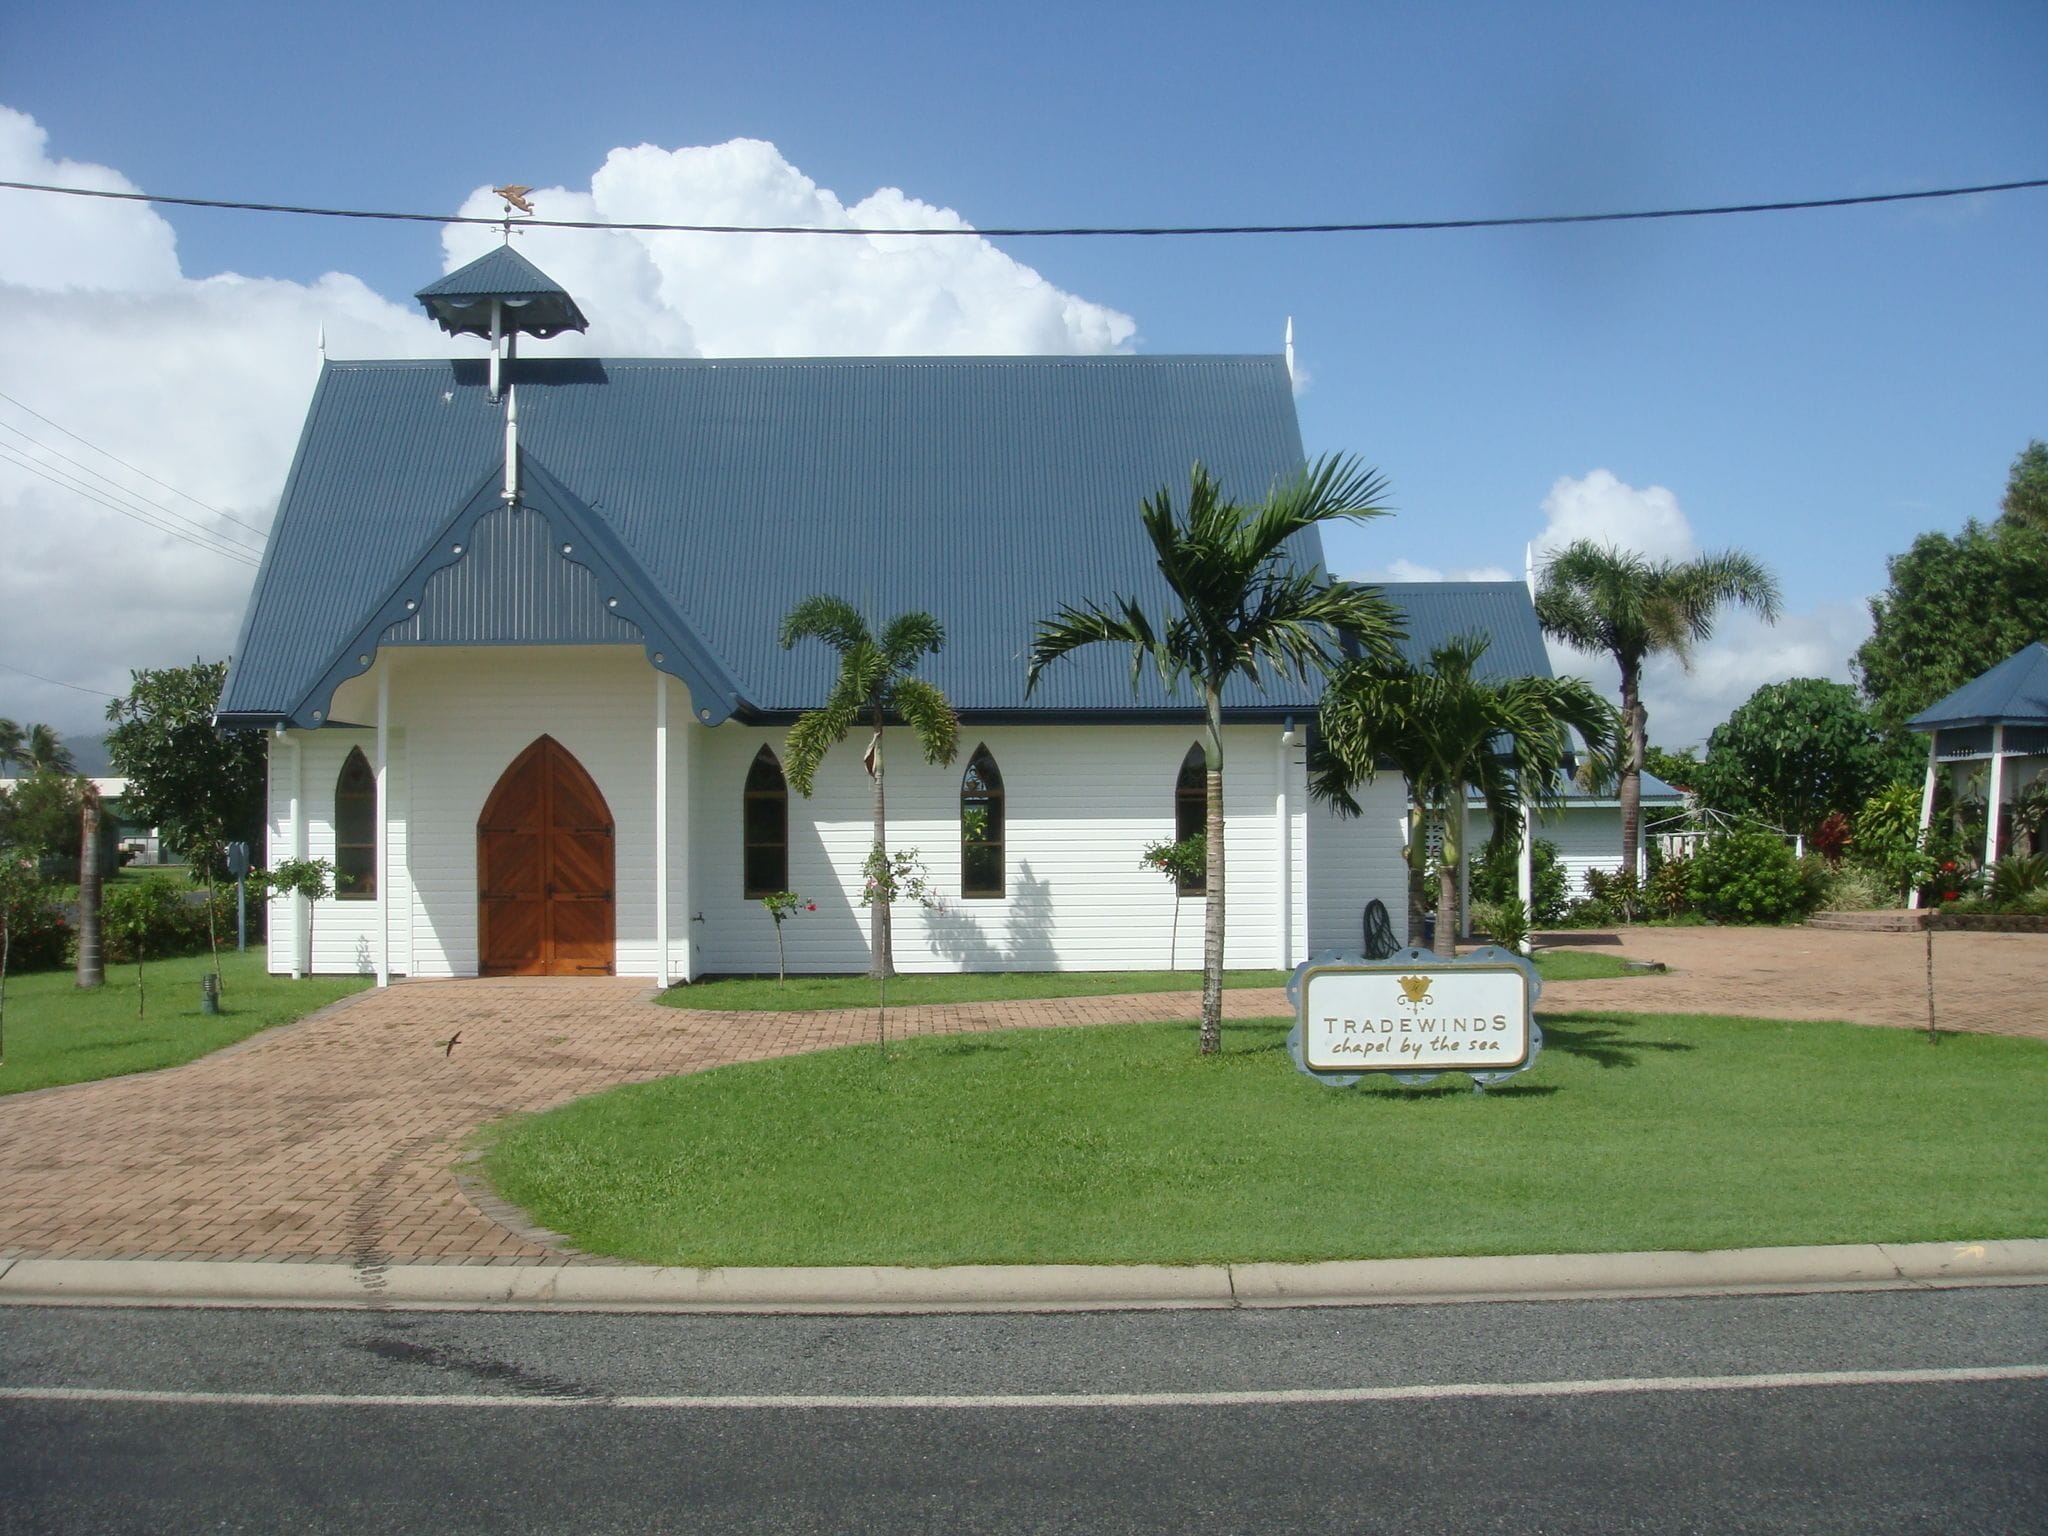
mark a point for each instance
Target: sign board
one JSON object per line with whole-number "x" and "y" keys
{"x": 1411, "y": 1018}
{"x": 1414, "y": 1017}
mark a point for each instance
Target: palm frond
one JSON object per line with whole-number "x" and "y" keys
{"x": 909, "y": 636}
{"x": 1091, "y": 624}
{"x": 921, "y": 706}
{"x": 813, "y": 735}
{"x": 823, "y": 617}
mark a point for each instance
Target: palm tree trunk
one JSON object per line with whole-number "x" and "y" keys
{"x": 1631, "y": 785}
{"x": 1446, "y": 890}
{"x": 1212, "y": 919}
{"x": 882, "y": 957}
{"x": 92, "y": 967}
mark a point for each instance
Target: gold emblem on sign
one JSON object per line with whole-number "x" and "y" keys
{"x": 1417, "y": 990}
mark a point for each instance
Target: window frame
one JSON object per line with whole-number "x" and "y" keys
{"x": 993, "y": 798}
{"x": 355, "y": 811}
{"x": 1192, "y": 800}
{"x": 778, "y": 794}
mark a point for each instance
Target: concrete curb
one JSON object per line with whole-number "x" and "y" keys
{"x": 1046, "y": 1287}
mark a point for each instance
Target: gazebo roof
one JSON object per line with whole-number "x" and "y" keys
{"x": 2015, "y": 692}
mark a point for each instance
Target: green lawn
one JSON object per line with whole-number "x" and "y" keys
{"x": 809, "y": 992}
{"x": 1121, "y": 1145}
{"x": 58, "y": 1034}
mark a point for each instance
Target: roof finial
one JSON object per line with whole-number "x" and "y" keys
{"x": 322, "y": 344}
{"x": 1290, "y": 349}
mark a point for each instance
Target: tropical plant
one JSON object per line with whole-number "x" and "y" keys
{"x": 1668, "y": 891}
{"x": 1240, "y": 606}
{"x": 1596, "y": 598}
{"x": 133, "y": 910}
{"x": 783, "y": 905}
{"x": 1450, "y": 730}
{"x": 1182, "y": 863}
{"x": 1504, "y": 922}
{"x": 39, "y": 749}
{"x": 877, "y": 682}
{"x": 1497, "y": 875}
{"x": 1617, "y": 891}
{"x": 1887, "y": 837}
{"x": 2015, "y": 876}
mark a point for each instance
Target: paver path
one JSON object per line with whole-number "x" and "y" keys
{"x": 334, "y": 1138}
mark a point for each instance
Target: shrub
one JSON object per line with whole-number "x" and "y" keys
{"x": 1857, "y": 888}
{"x": 1617, "y": 891}
{"x": 1749, "y": 877}
{"x": 1832, "y": 837}
{"x": 38, "y": 938}
{"x": 1496, "y": 878}
{"x": 1669, "y": 891}
{"x": 1504, "y": 922}
{"x": 1887, "y": 838}
{"x": 2017, "y": 876}
{"x": 170, "y": 922}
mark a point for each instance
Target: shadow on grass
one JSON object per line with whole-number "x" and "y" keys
{"x": 967, "y": 1045}
{"x": 1600, "y": 1041}
{"x": 1573, "y": 938}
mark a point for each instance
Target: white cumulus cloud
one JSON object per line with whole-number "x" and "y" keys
{"x": 202, "y": 380}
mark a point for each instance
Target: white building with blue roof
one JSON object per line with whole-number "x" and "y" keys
{"x": 515, "y": 641}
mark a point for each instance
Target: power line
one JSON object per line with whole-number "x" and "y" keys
{"x": 95, "y": 447}
{"x": 133, "y": 498}
{"x": 1023, "y": 232}
{"x": 232, "y": 551}
{"x": 55, "y": 683}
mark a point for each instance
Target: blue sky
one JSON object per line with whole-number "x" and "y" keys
{"x": 1816, "y": 388}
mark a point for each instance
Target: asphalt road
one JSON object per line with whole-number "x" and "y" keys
{"x": 1873, "y": 1412}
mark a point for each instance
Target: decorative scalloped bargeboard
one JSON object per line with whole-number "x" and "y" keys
{"x": 1415, "y": 1017}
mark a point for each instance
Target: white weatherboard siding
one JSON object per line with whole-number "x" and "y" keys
{"x": 345, "y": 936}
{"x": 1354, "y": 860}
{"x": 1079, "y": 801}
{"x": 1589, "y": 837}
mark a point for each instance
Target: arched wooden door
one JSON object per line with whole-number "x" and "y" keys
{"x": 544, "y": 863}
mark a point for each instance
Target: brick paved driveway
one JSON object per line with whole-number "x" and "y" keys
{"x": 333, "y": 1139}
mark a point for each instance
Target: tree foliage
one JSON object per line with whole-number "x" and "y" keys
{"x": 1450, "y": 730}
{"x": 1796, "y": 752}
{"x": 2026, "y": 488}
{"x": 1599, "y": 599}
{"x": 1241, "y": 607}
{"x": 40, "y": 815}
{"x": 1953, "y": 606}
{"x": 877, "y": 682}
{"x": 202, "y": 789}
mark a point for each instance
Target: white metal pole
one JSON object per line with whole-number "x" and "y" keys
{"x": 1995, "y": 795}
{"x": 1284, "y": 853}
{"x": 661, "y": 963}
{"x": 384, "y": 824}
{"x": 1464, "y": 927}
{"x": 296, "y": 904}
{"x": 1525, "y": 871}
{"x": 1926, "y": 811}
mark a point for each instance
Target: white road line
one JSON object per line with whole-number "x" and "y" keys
{"x": 1438, "y": 1392}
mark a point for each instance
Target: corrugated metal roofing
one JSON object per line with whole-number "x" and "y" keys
{"x": 1437, "y": 610}
{"x": 987, "y": 491}
{"x": 1655, "y": 792}
{"x": 2015, "y": 692}
{"x": 461, "y": 302}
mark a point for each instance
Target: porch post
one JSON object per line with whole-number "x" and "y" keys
{"x": 384, "y": 824}
{"x": 297, "y": 843}
{"x": 1995, "y": 794}
{"x": 1926, "y": 810}
{"x": 661, "y": 963}
{"x": 1283, "y": 854}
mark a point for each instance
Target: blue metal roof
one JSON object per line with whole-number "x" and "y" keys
{"x": 710, "y": 496}
{"x": 2015, "y": 692}
{"x": 529, "y": 299}
{"x": 1435, "y": 611}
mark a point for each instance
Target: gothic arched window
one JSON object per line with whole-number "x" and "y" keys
{"x": 981, "y": 827}
{"x": 1191, "y": 811}
{"x": 355, "y": 830}
{"x": 765, "y": 827}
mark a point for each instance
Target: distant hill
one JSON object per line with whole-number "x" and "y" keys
{"x": 91, "y": 753}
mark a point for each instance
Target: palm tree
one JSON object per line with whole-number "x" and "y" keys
{"x": 876, "y": 682}
{"x": 38, "y": 749}
{"x": 1449, "y": 731}
{"x": 1241, "y": 606}
{"x": 1595, "y": 597}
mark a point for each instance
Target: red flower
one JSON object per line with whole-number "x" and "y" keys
{"x": 1949, "y": 895}
{"x": 810, "y": 906}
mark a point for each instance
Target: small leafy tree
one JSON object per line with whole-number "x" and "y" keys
{"x": 20, "y": 893}
{"x": 783, "y": 905}
{"x": 135, "y": 910}
{"x": 1182, "y": 863}
{"x": 310, "y": 878}
{"x": 1796, "y": 752}
{"x": 887, "y": 878}
{"x": 1886, "y": 838}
